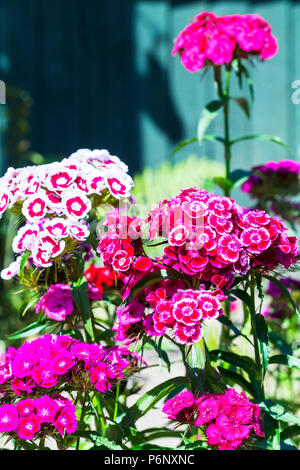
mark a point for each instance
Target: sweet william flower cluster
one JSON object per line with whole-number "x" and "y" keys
{"x": 229, "y": 421}
{"x": 217, "y": 40}
{"x": 54, "y": 364}
{"x": 206, "y": 238}
{"x": 38, "y": 418}
{"x": 55, "y": 200}
{"x": 51, "y": 362}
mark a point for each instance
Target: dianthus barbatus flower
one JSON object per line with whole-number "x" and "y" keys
{"x": 55, "y": 362}
{"x": 228, "y": 420}
{"x": 56, "y": 199}
{"x": 206, "y": 238}
{"x": 58, "y": 303}
{"x": 39, "y": 417}
{"x": 217, "y": 40}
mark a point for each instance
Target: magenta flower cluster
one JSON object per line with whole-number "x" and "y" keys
{"x": 58, "y": 303}
{"x": 56, "y": 362}
{"x": 273, "y": 178}
{"x": 38, "y": 418}
{"x": 55, "y": 200}
{"x": 229, "y": 421}
{"x": 217, "y": 40}
{"x": 208, "y": 240}
{"x": 208, "y": 237}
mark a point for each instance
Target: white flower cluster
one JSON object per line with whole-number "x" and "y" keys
{"x": 56, "y": 198}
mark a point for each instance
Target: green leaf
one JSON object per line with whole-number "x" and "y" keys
{"x": 243, "y": 104}
{"x": 30, "y": 330}
{"x": 24, "y": 258}
{"x": 193, "y": 140}
{"x": 226, "y": 322}
{"x": 285, "y": 360}
{"x": 194, "y": 445}
{"x": 243, "y": 296}
{"x": 290, "y": 432}
{"x": 284, "y": 290}
{"x": 161, "y": 353}
{"x": 262, "y": 335}
{"x": 281, "y": 344}
{"x": 208, "y": 114}
{"x": 269, "y": 138}
{"x": 244, "y": 71}
{"x": 183, "y": 144}
{"x": 98, "y": 440}
{"x": 278, "y": 412}
{"x": 238, "y": 175}
{"x": 196, "y": 360}
{"x": 223, "y": 183}
{"x": 244, "y": 362}
{"x": 149, "y": 400}
{"x": 238, "y": 379}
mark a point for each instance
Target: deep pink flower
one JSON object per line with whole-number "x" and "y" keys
{"x": 180, "y": 407}
{"x": 29, "y": 426}
{"x": 46, "y": 409}
{"x": 8, "y": 418}
{"x": 25, "y": 407}
{"x": 66, "y": 422}
{"x": 207, "y": 410}
{"x": 101, "y": 377}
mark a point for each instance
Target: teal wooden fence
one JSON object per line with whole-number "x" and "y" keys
{"x": 101, "y": 75}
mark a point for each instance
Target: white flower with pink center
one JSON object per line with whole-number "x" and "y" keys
{"x": 57, "y": 227}
{"x": 60, "y": 178}
{"x": 5, "y": 197}
{"x": 25, "y": 238}
{"x": 35, "y": 207}
{"x": 178, "y": 236}
{"x": 76, "y": 205}
{"x": 53, "y": 201}
{"x": 41, "y": 258}
{"x": 119, "y": 184}
{"x": 97, "y": 184}
{"x": 78, "y": 231}
{"x": 31, "y": 186}
{"x": 12, "y": 270}
{"x": 46, "y": 248}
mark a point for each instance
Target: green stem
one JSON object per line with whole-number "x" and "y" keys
{"x": 227, "y": 148}
{"x": 254, "y": 333}
{"x": 81, "y": 419}
{"x": 116, "y": 402}
{"x": 225, "y": 98}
